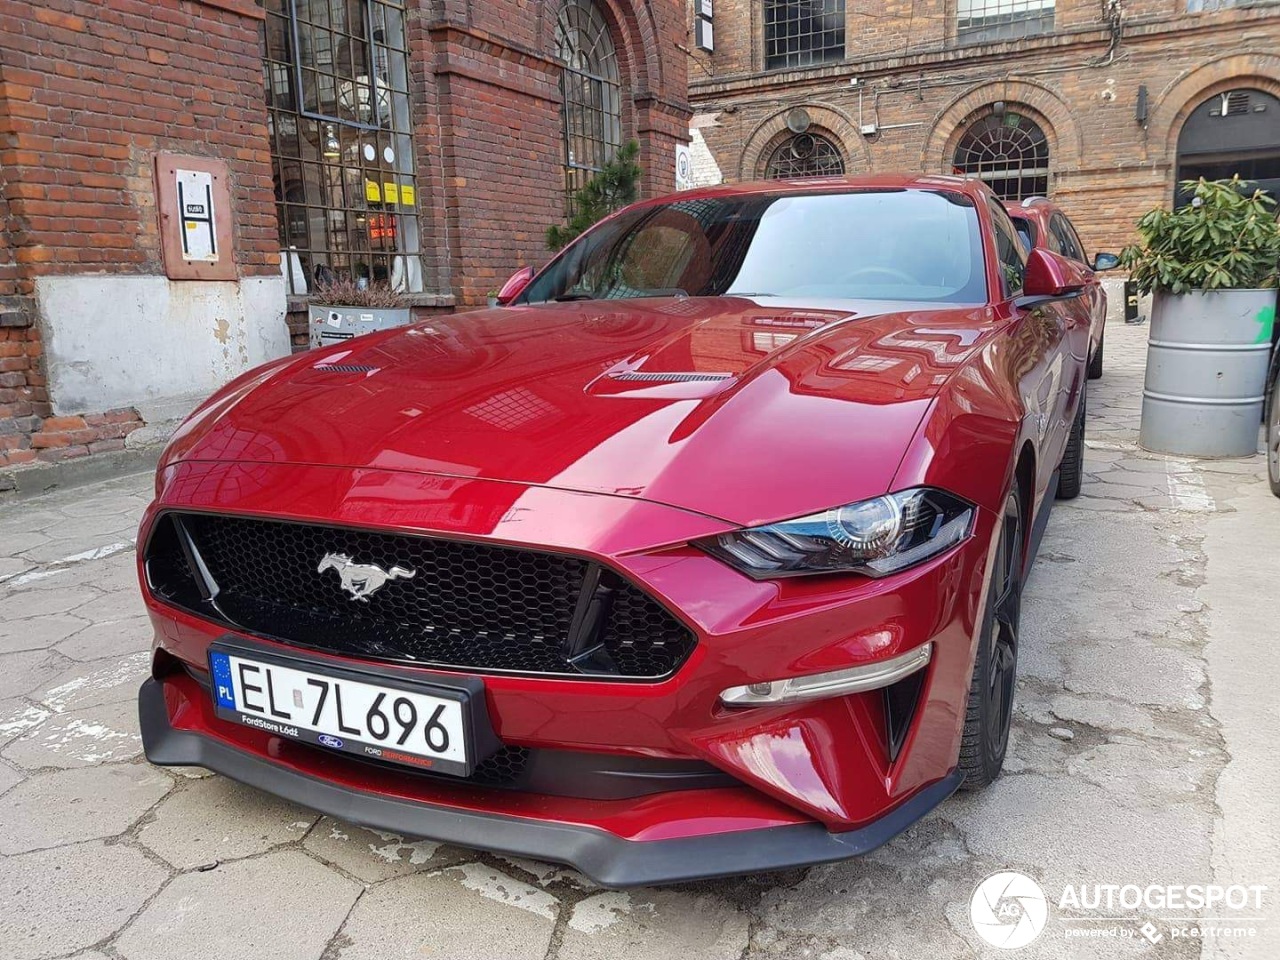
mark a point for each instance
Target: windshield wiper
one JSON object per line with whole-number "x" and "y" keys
{"x": 565, "y": 297}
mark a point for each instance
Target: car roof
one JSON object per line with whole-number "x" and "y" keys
{"x": 884, "y": 181}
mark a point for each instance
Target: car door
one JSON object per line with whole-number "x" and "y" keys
{"x": 1040, "y": 352}
{"x": 1069, "y": 245}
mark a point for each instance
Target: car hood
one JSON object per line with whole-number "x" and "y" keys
{"x": 743, "y": 410}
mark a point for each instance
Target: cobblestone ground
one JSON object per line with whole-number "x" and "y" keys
{"x": 1144, "y": 750}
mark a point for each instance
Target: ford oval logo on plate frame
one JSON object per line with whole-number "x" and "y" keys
{"x": 327, "y": 741}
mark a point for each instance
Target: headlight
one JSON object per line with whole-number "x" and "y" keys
{"x": 874, "y": 537}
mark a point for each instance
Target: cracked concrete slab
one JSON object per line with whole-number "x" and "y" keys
{"x": 374, "y": 855}
{"x": 465, "y": 912}
{"x": 215, "y": 819}
{"x": 54, "y": 809}
{"x": 282, "y": 906}
{"x": 105, "y": 883}
{"x": 654, "y": 925}
{"x": 106, "y": 733}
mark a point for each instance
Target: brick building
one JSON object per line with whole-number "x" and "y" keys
{"x": 1100, "y": 105}
{"x": 176, "y": 176}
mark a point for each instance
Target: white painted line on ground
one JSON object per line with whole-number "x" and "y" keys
{"x": 1187, "y": 490}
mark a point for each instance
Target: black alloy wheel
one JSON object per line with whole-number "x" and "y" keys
{"x": 989, "y": 713}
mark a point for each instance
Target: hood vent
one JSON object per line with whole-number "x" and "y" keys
{"x": 636, "y": 376}
{"x": 343, "y": 368}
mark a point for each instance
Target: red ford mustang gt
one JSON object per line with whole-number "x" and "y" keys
{"x": 703, "y": 556}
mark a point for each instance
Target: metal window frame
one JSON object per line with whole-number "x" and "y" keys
{"x": 598, "y": 118}
{"x": 822, "y": 143}
{"x": 339, "y": 245}
{"x": 789, "y": 12}
{"x": 366, "y": 7}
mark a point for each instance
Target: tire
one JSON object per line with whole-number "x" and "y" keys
{"x": 989, "y": 712}
{"x": 1095, "y": 362}
{"x": 1273, "y": 434}
{"x": 1071, "y": 469}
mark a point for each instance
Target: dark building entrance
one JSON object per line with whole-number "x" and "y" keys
{"x": 1230, "y": 133}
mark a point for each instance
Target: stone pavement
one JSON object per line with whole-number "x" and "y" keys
{"x": 1145, "y": 749}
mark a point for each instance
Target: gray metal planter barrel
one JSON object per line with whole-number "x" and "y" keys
{"x": 1206, "y": 366}
{"x": 330, "y": 325}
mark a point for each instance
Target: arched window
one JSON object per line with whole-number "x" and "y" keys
{"x": 1009, "y": 152}
{"x": 804, "y": 155}
{"x": 589, "y": 85}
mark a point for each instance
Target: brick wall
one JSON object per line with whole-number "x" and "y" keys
{"x": 922, "y": 88}
{"x": 89, "y": 93}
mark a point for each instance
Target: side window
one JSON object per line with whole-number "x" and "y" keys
{"x": 1013, "y": 261}
{"x": 1068, "y": 244}
{"x": 1026, "y": 232}
{"x": 1075, "y": 239}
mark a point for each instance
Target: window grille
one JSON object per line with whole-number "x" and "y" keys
{"x": 805, "y": 155}
{"x": 1008, "y": 152}
{"x": 979, "y": 21}
{"x": 591, "y": 91}
{"x": 800, "y": 33}
{"x": 341, "y": 142}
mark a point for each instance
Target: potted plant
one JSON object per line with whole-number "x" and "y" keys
{"x": 340, "y": 309}
{"x": 1211, "y": 268}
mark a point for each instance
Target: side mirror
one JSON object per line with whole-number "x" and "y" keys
{"x": 515, "y": 286}
{"x": 1050, "y": 277}
{"x": 1106, "y": 261}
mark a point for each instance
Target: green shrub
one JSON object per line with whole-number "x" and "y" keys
{"x": 1224, "y": 239}
{"x": 613, "y": 187}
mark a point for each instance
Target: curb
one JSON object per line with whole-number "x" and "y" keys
{"x": 32, "y": 480}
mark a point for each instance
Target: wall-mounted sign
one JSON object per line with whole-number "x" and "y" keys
{"x": 704, "y": 9}
{"x": 684, "y": 167}
{"x": 195, "y": 218}
{"x": 704, "y": 35}
{"x": 195, "y": 206}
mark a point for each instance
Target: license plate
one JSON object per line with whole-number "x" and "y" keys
{"x": 395, "y": 720}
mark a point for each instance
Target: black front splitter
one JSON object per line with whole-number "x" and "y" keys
{"x": 607, "y": 859}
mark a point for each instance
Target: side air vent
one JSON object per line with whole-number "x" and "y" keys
{"x": 636, "y": 376}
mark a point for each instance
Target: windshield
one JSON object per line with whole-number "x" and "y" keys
{"x": 868, "y": 244}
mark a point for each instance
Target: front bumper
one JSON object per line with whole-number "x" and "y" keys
{"x": 606, "y": 858}
{"x": 834, "y": 770}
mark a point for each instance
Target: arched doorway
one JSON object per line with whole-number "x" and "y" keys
{"x": 804, "y": 155}
{"x": 1236, "y": 132}
{"x": 1008, "y": 151}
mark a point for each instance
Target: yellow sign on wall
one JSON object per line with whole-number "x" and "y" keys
{"x": 390, "y": 192}
{"x": 371, "y": 192}
{"x": 406, "y": 195}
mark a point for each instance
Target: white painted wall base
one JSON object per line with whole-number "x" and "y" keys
{"x": 113, "y": 341}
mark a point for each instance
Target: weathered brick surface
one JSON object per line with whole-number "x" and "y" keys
{"x": 1106, "y": 169}
{"x": 90, "y": 92}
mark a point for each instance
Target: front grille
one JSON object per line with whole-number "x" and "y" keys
{"x": 458, "y": 604}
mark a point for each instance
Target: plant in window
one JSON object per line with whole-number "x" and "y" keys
{"x": 1224, "y": 239}
{"x": 351, "y": 293}
{"x": 614, "y": 185}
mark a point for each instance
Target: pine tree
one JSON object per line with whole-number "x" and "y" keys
{"x": 613, "y": 187}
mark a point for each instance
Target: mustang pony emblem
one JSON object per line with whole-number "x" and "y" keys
{"x": 361, "y": 580}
